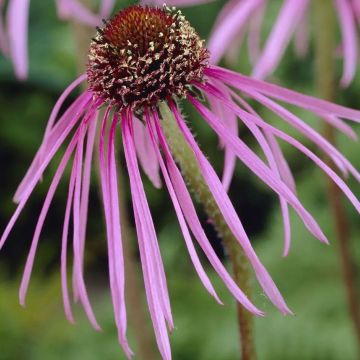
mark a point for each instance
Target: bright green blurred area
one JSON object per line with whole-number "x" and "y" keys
{"x": 309, "y": 277}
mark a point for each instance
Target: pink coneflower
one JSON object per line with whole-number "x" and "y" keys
{"x": 14, "y": 37}
{"x": 292, "y": 22}
{"x": 142, "y": 59}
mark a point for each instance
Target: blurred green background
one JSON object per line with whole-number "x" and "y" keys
{"x": 309, "y": 277}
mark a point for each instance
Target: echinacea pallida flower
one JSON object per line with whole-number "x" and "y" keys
{"x": 141, "y": 60}
{"x": 13, "y": 37}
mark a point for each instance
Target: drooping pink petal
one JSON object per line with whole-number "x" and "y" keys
{"x": 64, "y": 125}
{"x": 310, "y": 103}
{"x": 226, "y": 29}
{"x": 64, "y": 247}
{"x": 78, "y": 278}
{"x": 185, "y": 231}
{"x": 85, "y": 186}
{"x": 349, "y": 40}
{"x": 302, "y": 36}
{"x": 17, "y": 19}
{"x": 289, "y": 17}
{"x": 254, "y": 36}
{"x": 340, "y": 125}
{"x": 145, "y": 232}
{"x": 192, "y": 219}
{"x": 73, "y": 9}
{"x": 230, "y": 120}
{"x": 144, "y": 211}
{"x": 274, "y": 167}
{"x": 43, "y": 213}
{"x": 113, "y": 229}
{"x": 60, "y": 102}
{"x": 256, "y": 165}
{"x": 145, "y": 152}
{"x": 283, "y": 166}
{"x": 106, "y": 8}
{"x": 229, "y": 212}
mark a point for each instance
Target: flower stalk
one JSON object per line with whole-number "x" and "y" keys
{"x": 326, "y": 83}
{"x": 191, "y": 172}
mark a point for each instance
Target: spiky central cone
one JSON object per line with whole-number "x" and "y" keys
{"x": 144, "y": 55}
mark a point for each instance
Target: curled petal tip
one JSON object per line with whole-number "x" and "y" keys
{"x": 217, "y": 299}
{"x": 287, "y": 311}
{"x": 285, "y": 253}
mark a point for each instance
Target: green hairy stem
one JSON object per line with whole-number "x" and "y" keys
{"x": 196, "y": 183}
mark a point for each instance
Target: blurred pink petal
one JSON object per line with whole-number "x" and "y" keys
{"x": 229, "y": 25}
{"x": 290, "y": 15}
{"x": 349, "y": 40}
{"x": 17, "y": 19}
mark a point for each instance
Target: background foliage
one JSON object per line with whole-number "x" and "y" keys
{"x": 309, "y": 278}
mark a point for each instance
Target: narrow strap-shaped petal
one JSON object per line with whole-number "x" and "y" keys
{"x": 85, "y": 186}
{"x": 60, "y": 102}
{"x": 64, "y": 249}
{"x": 106, "y": 8}
{"x": 17, "y": 19}
{"x": 228, "y": 27}
{"x": 256, "y": 165}
{"x": 78, "y": 276}
{"x": 113, "y": 229}
{"x": 145, "y": 152}
{"x": 63, "y": 127}
{"x": 185, "y": 231}
{"x": 230, "y": 215}
{"x": 254, "y": 37}
{"x": 148, "y": 224}
{"x": 119, "y": 265}
{"x": 310, "y": 103}
{"x": 349, "y": 40}
{"x": 289, "y": 17}
{"x": 54, "y": 184}
{"x": 144, "y": 232}
{"x": 282, "y": 164}
{"x": 340, "y": 125}
{"x": 192, "y": 219}
{"x": 73, "y": 9}
{"x": 230, "y": 120}
{"x": 302, "y": 36}
{"x": 274, "y": 167}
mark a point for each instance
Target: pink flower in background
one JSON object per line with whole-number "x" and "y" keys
{"x": 292, "y": 22}
{"x": 140, "y": 60}
{"x": 237, "y": 18}
{"x": 14, "y": 37}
